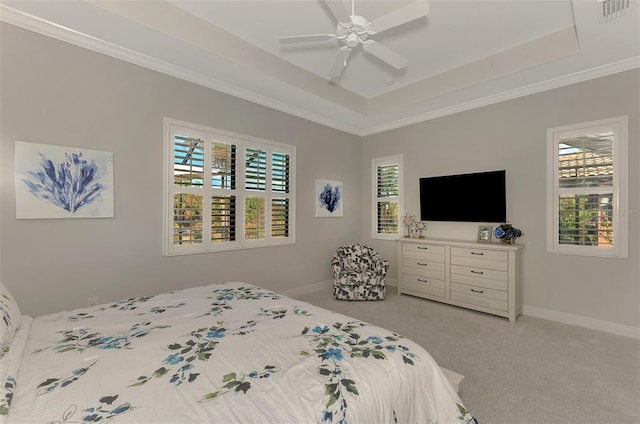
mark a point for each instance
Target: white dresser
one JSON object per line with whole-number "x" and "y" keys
{"x": 486, "y": 277}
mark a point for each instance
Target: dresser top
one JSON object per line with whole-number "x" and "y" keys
{"x": 461, "y": 243}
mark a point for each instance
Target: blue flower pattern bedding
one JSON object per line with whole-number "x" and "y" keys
{"x": 223, "y": 353}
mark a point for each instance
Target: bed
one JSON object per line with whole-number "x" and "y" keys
{"x": 220, "y": 353}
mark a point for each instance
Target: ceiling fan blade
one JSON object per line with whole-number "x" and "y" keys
{"x": 417, "y": 9}
{"x": 385, "y": 54}
{"x": 339, "y": 11}
{"x": 339, "y": 64}
{"x": 306, "y": 38}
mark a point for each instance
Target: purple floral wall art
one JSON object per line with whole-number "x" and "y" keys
{"x": 63, "y": 182}
{"x": 329, "y": 198}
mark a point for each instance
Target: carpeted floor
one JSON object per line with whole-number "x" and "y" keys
{"x": 534, "y": 371}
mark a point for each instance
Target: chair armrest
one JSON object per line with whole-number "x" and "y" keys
{"x": 380, "y": 265}
{"x": 336, "y": 265}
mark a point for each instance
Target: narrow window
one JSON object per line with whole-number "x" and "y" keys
{"x": 387, "y": 200}
{"x": 587, "y": 188}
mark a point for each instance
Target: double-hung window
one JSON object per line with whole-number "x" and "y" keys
{"x": 587, "y": 194}
{"x": 225, "y": 191}
{"x": 387, "y": 196}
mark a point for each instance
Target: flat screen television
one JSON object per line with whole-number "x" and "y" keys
{"x": 477, "y": 197}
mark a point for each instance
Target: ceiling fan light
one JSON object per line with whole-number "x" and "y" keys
{"x": 352, "y": 40}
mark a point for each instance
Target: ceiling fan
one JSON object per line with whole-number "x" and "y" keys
{"x": 353, "y": 30}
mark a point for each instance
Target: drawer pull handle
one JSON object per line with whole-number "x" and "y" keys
{"x": 477, "y": 253}
{"x": 477, "y": 272}
{"x": 423, "y": 248}
{"x": 477, "y": 291}
{"x": 423, "y": 281}
{"x": 420, "y": 263}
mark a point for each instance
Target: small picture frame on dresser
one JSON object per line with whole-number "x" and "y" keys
{"x": 484, "y": 233}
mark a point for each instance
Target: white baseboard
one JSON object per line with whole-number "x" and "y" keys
{"x": 533, "y": 311}
{"x": 580, "y": 321}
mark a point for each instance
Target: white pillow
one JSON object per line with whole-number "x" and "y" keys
{"x": 10, "y": 317}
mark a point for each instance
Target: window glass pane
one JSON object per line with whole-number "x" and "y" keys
{"x": 387, "y": 181}
{"x": 387, "y": 218}
{"x": 188, "y": 161}
{"x": 187, "y": 218}
{"x": 586, "y": 161}
{"x": 223, "y": 218}
{"x": 223, "y": 165}
{"x": 280, "y": 172}
{"x": 586, "y": 220}
{"x": 254, "y": 215}
{"x": 279, "y": 217}
{"x": 256, "y": 170}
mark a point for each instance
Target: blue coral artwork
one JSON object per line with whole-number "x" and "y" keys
{"x": 62, "y": 182}
{"x": 329, "y": 198}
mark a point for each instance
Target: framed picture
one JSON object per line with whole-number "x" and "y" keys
{"x": 484, "y": 233}
{"x": 329, "y": 198}
{"x": 62, "y": 182}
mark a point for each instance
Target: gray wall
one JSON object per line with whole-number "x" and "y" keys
{"x": 512, "y": 135}
{"x": 56, "y": 93}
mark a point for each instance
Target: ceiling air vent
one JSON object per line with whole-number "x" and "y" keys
{"x": 612, "y": 9}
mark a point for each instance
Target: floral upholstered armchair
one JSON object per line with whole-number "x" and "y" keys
{"x": 358, "y": 273}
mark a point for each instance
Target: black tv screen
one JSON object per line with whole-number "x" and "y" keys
{"x": 478, "y": 197}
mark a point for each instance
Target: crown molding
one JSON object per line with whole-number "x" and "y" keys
{"x": 577, "y": 77}
{"x": 68, "y": 35}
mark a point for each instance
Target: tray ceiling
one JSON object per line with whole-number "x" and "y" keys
{"x": 464, "y": 54}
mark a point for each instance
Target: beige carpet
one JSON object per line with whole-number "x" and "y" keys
{"x": 535, "y": 371}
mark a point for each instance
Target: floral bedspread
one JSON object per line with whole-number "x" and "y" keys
{"x": 225, "y": 353}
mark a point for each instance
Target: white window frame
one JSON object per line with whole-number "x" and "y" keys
{"x": 619, "y": 191}
{"x": 375, "y": 163}
{"x": 242, "y": 142}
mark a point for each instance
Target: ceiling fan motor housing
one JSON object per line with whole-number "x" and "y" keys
{"x": 359, "y": 24}
{"x": 354, "y": 32}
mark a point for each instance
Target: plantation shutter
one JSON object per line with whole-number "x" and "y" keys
{"x": 223, "y": 165}
{"x": 188, "y": 171}
{"x": 224, "y": 191}
{"x": 585, "y": 190}
{"x": 255, "y": 169}
{"x": 188, "y": 161}
{"x": 279, "y": 217}
{"x": 280, "y": 183}
{"x": 387, "y": 195}
{"x": 280, "y": 172}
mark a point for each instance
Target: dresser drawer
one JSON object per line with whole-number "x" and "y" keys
{"x": 423, "y": 248}
{"x": 488, "y": 254}
{"x": 423, "y": 268}
{"x": 480, "y": 277}
{"x": 421, "y": 285}
{"x": 488, "y": 298}
{"x": 488, "y": 259}
{"x": 424, "y": 256}
{"x": 424, "y": 281}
